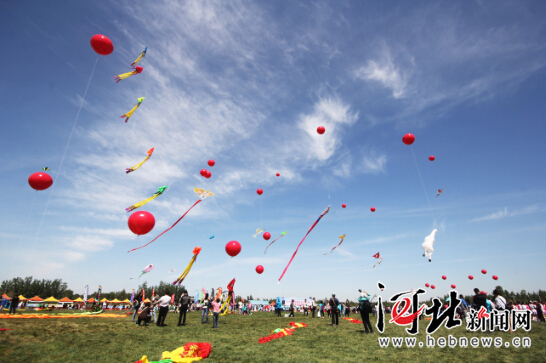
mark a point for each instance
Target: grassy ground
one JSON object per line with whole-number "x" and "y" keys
{"x": 119, "y": 340}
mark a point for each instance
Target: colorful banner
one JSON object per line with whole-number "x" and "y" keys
{"x": 85, "y": 292}
{"x": 132, "y": 296}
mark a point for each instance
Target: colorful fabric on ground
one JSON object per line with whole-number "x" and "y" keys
{"x": 279, "y": 333}
{"x": 4, "y": 329}
{"x": 354, "y": 321}
{"x": 190, "y": 352}
{"x": 67, "y": 316}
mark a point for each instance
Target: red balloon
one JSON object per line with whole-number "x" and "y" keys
{"x": 209, "y": 174}
{"x": 470, "y": 277}
{"x": 431, "y": 158}
{"x": 453, "y": 286}
{"x": 203, "y": 172}
{"x": 139, "y": 69}
{"x": 40, "y": 181}
{"x": 343, "y": 205}
{"x": 483, "y": 293}
{"x": 259, "y": 269}
{"x": 408, "y": 139}
{"x": 484, "y": 271}
{"x": 259, "y": 191}
{"x": 278, "y": 174}
{"x": 427, "y": 284}
{"x": 372, "y": 209}
{"x": 101, "y": 44}
{"x": 233, "y": 248}
{"x": 267, "y": 236}
{"x": 211, "y": 163}
{"x": 495, "y": 277}
{"x": 321, "y": 130}
{"x": 141, "y": 222}
{"x": 432, "y": 286}
{"x": 444, "y": 277}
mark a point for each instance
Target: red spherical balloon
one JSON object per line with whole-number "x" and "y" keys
{"x": 495, "y": 277}
{"x": 453, "y": 286}
{"x": 427, "y": 285}
{"x": 444, "y": 277}
{"x": 40, "y": 181}
{"x": 278, "y": 174}
{"x": 321, "y": 130}
{"x": 344, "y": 205}
{"x": 259, "y": 191}
{"x": 259, "y": 269}
{"x": 141, "y": 222}
{"x": 432, "y": 286}
{"x": 101, "y": 44}
{"x": 483, "y": 293}
{"x": 233, "y": 248}
{"x": 470, "y": 277}
{"x": 203, "y": 172}
{"x": 408, "y": 139}
{"x": 209, "y": 174}
{"x": 431, "y": 158}
{"x": 267, "y": 236}
{"x": 211, "y": 163}
{"x": 484, "y": 271}
{"x": 372, "y": 209}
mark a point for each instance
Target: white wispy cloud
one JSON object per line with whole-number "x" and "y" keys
{"x": 504, "y": 213}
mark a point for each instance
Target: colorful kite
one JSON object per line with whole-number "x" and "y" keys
{"x": 142, "y": 55}
{"x": 146, "y": 270}
{"x": 137, "y": 70}
{"x": 191, "y": 352}
{"x": 258, "y": 231}
{"x": 225, "y": 305}
{"x": 211, "y": 237}
{"x": 427, "y": 245}
{"x": 140, "y": 204}
{"x": 135, "y": 167}
{"x": 46, "y": 169}
{"x": 340, "y": 242}
{"x": 379, "y": 258}
{"x": 181, "y": 278}
{"x": 128, "y": 114}
{"x": 309, "y": 231}
{"x": 440, "y": 191}
{"x": 282, "y": 234}
{"x": 202, "y": 195}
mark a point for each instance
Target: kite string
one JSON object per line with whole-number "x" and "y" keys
{"x": 64, "y": 155}
{"x": 423, "y": 184}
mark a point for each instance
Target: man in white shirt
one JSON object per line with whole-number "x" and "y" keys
{"x": 163, "y": 303}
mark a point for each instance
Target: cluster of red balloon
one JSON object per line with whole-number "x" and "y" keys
{"x": 141, "y": 222}
{"x": 267, "y": 236}
{"x": 40, "y": 181}
{"x": 259, "y": 191}
{"x": 321, "y": 130}
{"x": 204, "y": 172}
{"x": 233, "y": 248}
{"x": 102, "y": 44}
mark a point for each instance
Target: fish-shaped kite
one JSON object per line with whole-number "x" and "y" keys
{"x": 378, "y": 257}
{"x": 340, "y": 242}
{"x": 128, "y": 114}
{"x": 309, "y": 231}
{"x": 181, "y": 278}
{"x": 146, "y": 270}
{"x": 137, "y": 70}
{"x": 202, "y": 195}
{"x": 135, "y": 167}
{"x": 440, "y": 191}
{"x": 140, "y": 204}
{"x": 258, "y": 231}
{"x": 142, "y": 55}
{"x": 282, "y": 234}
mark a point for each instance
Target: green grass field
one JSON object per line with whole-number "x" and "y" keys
{"x": 120, "y": 340}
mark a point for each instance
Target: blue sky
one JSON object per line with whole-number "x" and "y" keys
{"x": 247, "y": 84}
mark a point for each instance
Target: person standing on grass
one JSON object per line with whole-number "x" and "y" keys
{"x": 205, "y": 310}
{"x": 136, "y": 305}
{"x": 184, "y": 302}
{"x": 366, "y": 308}
{"x": 314, "y": 307}
{"x": 334, "y": 302}
{"x": 278, "y": 307}
{"x": 163, "y": 303}
{"x": 215, "y": 312}
{"x": 291, "y": 309}
{"x": 14, "y": 303}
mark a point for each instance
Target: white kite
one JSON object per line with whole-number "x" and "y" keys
{"x": 427, "y": 245}
{"x": 258, "y": 231}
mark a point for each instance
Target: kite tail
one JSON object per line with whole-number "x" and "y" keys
{"x": 124, "y": 75}
{"x": 271, "y": 244}
{"x": 168, "y": 229}
{"x": 140, "y": 204}
{"x": 294, "y": 255}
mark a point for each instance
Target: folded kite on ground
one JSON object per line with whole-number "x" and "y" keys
{"x": 354, "y": 321}
{"x": 191, "y": 352}
{"x": 279, "y": 333}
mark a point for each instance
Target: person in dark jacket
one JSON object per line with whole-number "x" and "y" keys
{"x": 334, "y": 302}
{"x": 291, "y": 309}
{"x": 145, "y": 315}
{"x": 479, "y": 300}
{"x": 184, "y": 303}
{"x": 365, "y": 307}
{"x": 14, "y": 302}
